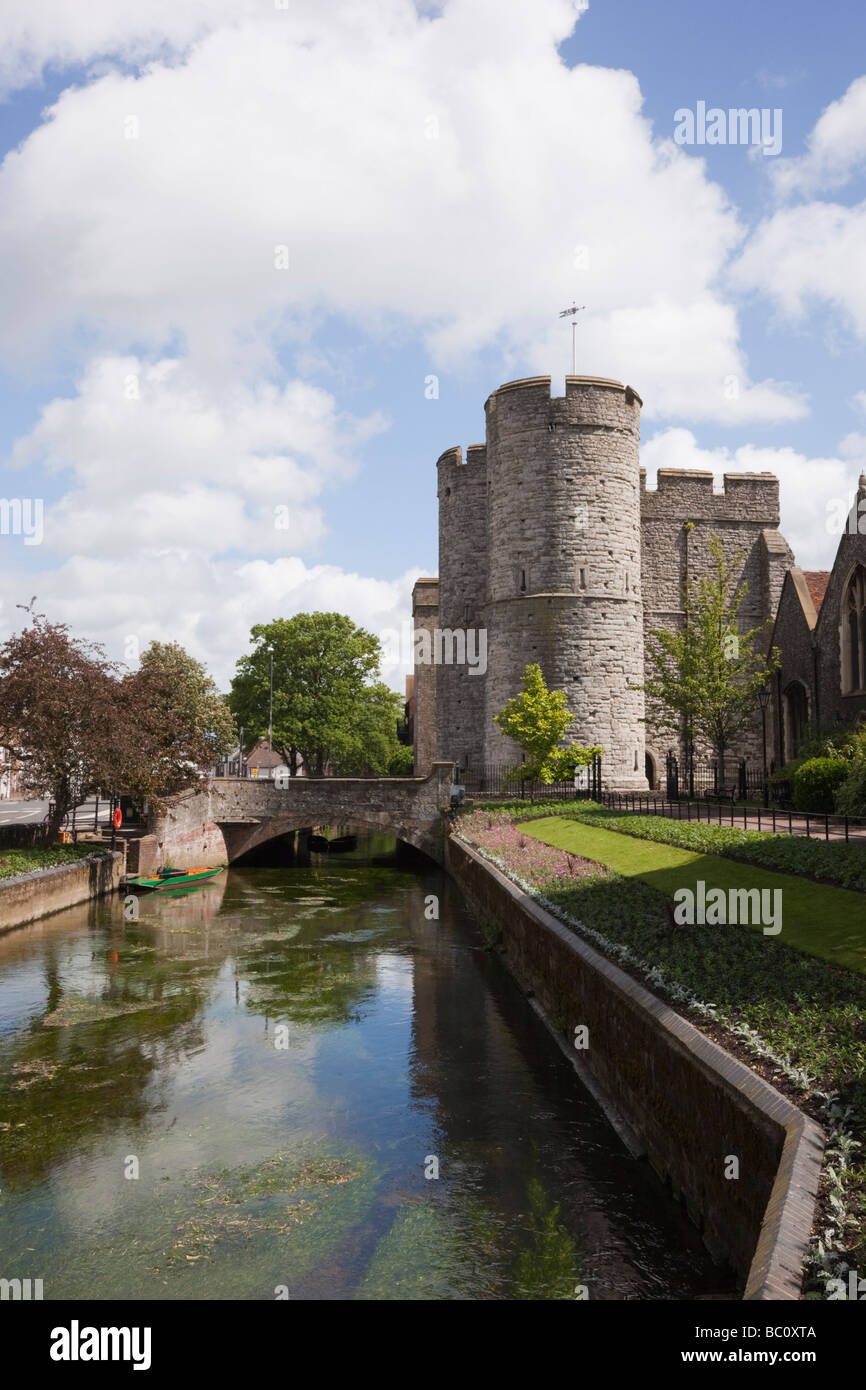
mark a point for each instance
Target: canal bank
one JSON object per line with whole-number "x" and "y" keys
{"x": 690, "y": 1105}
{"x": 31, "y": 896}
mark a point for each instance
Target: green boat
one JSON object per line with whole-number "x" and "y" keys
{"x": 171, "y": 878}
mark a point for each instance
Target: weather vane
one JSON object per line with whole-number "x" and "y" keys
{"x": 572, "y": 313}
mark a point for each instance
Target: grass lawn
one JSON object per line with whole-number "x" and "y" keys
{"x": 24, "y": 861}
{"x": 821, "y": 920}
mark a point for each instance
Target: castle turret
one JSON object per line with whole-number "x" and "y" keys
{"x": 460, "y": 649}
{"x": 564, "y": 569}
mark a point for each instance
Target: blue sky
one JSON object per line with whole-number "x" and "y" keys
{"x": 165, "y": 388}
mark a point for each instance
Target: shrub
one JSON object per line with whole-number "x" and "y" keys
{"x": 816, "y": 782}
{"x": 851, "y": 796}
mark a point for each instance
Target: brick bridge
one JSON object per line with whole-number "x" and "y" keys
{"x": 227, "y": 816}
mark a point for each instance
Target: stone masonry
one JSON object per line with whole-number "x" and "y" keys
{"x": 226, "y": 817}
{"x": 551, "y": 542}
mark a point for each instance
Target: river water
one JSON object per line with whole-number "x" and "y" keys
{"x": 301, "y": 1083}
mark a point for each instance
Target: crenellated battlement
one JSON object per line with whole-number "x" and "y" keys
{"x": 453, "y": 458}
{"x": 690, "y": 495}
{"x": 590, "y": 403}
{"x": 573, "y": 386}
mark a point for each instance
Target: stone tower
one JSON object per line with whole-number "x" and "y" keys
{"x": 540, "y": 546}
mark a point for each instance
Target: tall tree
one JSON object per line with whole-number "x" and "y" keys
{"x": 57, "y": 712}
{"x": 705, "y": 676}
{"x": 536, "y": 720}
{"x": 177, "y": 724}
{"x": 329, "y": 705}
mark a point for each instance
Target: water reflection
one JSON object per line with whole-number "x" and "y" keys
{"x": 285, "y": 1058}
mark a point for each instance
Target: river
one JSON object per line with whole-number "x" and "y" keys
{"x": 303, "y": 1083}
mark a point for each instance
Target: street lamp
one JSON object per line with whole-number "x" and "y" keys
{"x": 763, "y": 701}
{"x": 270, "y": 652}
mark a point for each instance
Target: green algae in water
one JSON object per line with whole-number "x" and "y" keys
{"x": 84, "y": 1008}
{"x": 289, "y": 1214}
{"x": 455, "y": 1248}
{"x": 437, "y": 1250}
{"x": 415, "y": 1260}
{"x": 547, "y": 1267}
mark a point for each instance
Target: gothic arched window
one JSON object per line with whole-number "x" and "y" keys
{"x": 796, "y": 712}
{"x": 854, "y": 632}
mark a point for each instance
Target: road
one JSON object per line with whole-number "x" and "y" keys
{"x": 29, "y": 812}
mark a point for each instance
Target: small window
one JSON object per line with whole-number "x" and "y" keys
{"x": 523, "y": 581}
{"x": 583, "y": 579}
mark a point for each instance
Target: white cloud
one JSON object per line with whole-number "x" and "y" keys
{"x": 432, "y": 173}
{"x": 814, "y": 252}
{"x": 811, "y": 490}
{"x": 441, "y": 175}
{"x": 836, "y": 147}
{"x": 808, "y": 254}
{"x": 208, "y": 606}
{"x": 56, "y": 34}
{"x": 156, "y": 457}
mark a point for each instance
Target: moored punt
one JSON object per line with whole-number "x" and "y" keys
{"x": 171, "y": 878}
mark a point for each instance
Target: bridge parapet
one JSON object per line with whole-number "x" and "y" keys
{"x": 218, "y": 822}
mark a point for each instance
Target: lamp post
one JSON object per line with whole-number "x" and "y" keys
{"x": 270, "y": 651}
{"x": 763, "y": 701}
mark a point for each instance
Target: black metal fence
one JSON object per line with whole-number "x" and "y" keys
{"x": 502, "y": 781}
{"x": 708, "y": 812}
{"x": 695, "y": 777}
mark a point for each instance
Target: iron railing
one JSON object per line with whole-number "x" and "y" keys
{"x": 502, "y": 781}
{"x": 809, "y": 824}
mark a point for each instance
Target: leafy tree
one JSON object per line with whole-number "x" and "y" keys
{"x": 178, "y": 724}
{"x": 75, "y": 724}
{"x": 402, "y": 762}
{"x": 536, "y": 720}
{"x": 329, "y": 705}
{"x": 705, "y": 676}
{"x": 57, "y": 712}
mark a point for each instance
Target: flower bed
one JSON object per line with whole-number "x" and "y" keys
{"x": 826, "y": 861}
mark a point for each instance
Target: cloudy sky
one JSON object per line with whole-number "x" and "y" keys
{"x": 239, "y": 237}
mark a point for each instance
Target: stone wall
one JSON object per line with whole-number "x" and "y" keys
{"x": 34, "y": 895}
{"x": 463, "y": 594}
{"x": 540, "y": 546}
{"x": 689, "y": 1103}
{"x": 678, "y": 520}
{"x": 550, "y": 540}
{"x": 835, "y": 704}
{"x": 811, "y": 643}
{"x": 425, "y": 616}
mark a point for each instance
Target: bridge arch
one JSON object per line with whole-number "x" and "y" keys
{"x": 226, "y": 817}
